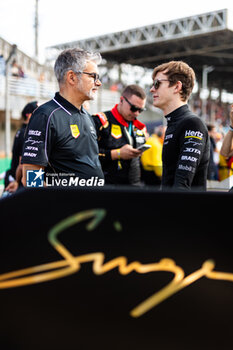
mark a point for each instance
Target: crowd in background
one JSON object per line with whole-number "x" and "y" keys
{"x": 217, "y": 121}
{"x": 215, "y": 115}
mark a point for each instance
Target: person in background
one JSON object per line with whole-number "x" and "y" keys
{"x": 119, "y": 135}
{"x": 160, "y": 132}
{"x": 14, "y": 69}
{"x": 14, "y": 174}
{"x": 151, "y": 160}
{"x": 186, "y": 146}
{"x": 2, "y": 65}
{"x": 226, "y": 151}
{"x": 212, "y": 168}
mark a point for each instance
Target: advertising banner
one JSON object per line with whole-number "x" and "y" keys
{"x": 116, "y": 268}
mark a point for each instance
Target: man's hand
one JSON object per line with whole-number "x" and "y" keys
{"x": 12, "y": 187}
{"x": 126, "y": 152}
{"x": 29, "y": 167}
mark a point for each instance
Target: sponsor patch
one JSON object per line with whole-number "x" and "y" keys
{"x": 30, "y": 154}
{"x": 195, "y": 134}
{"x": 189, "y": 158}
{"x": 169, "y": 136}
{"x": 103, "y": 119}
{"x": 32, "y": 141}
{"x": 31, "y": 148}
{"x": 34, "y": 132}
{"x": 186, "y": 168}
{"x": 74, "y": 130}
{"x": 92, "y": 129}
{"x": 193, "y": 142}
{"x": 191, "y": 150}
{"x": 116, "y": 131}
{"x": 139, "y": 132}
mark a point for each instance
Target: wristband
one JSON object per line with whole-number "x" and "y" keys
{"x": 230, "y": 127}
{"x": 119, "y": 153}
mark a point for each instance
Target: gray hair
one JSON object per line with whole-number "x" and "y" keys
{"x": 75, "y": 60}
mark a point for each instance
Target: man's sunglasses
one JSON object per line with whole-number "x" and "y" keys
{"x": 134, "y": 108}
{"x": 95, "y": 76}
{"x": 157, "y": 82}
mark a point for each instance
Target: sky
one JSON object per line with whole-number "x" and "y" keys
{"x": 70, "y": 20}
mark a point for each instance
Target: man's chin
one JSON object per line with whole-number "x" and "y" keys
{"x": 132, "y": 119}
{"x": 93, "y": 96}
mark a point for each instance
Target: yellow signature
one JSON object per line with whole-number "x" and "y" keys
{"x": 72, "y": 264}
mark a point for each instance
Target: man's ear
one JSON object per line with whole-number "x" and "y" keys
{"x": 178, "y": 86}
{"x": 71, "y": 77}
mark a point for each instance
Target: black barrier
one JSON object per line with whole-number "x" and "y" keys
{"x": 116, "y": 269}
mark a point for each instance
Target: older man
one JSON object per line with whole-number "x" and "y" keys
{"x": 61, "y": 138}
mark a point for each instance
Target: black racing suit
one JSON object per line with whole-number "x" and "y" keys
{"x": 112, "y": 131}
{"x": 16, "y": 154}
{"x": 186, "y": 151}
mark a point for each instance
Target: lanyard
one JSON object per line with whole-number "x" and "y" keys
{"x": 130, "y": 128}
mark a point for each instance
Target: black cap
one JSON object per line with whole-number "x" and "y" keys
{"x": 29, "y": 108}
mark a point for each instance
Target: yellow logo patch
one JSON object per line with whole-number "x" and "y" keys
{"x": 116, "y": 131}
{"x": 74, "y": 130}
{"x": 139, "y": 133}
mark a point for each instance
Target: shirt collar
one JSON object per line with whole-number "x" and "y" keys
{"x": 67, "y": 106}
{"x": 177, "y": 113}
{"x": 118, "y": 116}
{"x": 122, "y": 121}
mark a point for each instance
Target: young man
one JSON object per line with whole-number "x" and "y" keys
{"x": 119, "y": 135}
{"x": 186, "y": 144}
{"x": 14, "y": 174}
{"x": 61, "y": 137}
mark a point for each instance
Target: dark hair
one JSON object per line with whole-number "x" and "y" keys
{"x": 210, "y": 126}
{"x": 178, "y": 71}
{"x": 29, "y": 108}
{"x": 133, "y": 89}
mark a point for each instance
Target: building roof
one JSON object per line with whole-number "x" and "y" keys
{"x": 200, "y": 40}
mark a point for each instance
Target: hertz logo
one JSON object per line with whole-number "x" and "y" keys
{"x": 195, "y": 134}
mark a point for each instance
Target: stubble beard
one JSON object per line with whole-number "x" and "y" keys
{"x": 89, "y": 95}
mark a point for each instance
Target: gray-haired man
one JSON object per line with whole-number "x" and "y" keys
{"x": 61, "y": 137}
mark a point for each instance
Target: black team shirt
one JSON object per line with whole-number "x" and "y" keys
{"x": 17, "y": 148}
{"x": 63, "y": 139}
{"x": 185, "y": 151}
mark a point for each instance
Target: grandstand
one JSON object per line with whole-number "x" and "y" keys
{"x": 37, "y": 83}
{"x": 204, "y": 39}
